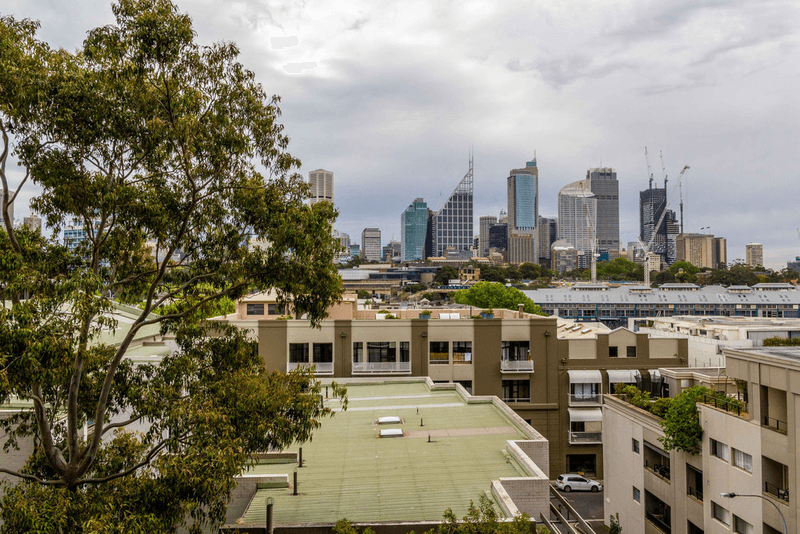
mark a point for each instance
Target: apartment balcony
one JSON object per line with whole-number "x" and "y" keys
{"x": 584, "y": 399}
{"x": 381, "y": 368}
{"x": 585, "y": 438}
{"x": 516, "y": 366}
{"x": 775, "y": 424}
{"x": 320, "y": 368}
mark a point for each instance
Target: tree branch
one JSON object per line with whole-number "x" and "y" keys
{"x": 157, "y": 449}
{"x": 31, "y": 477}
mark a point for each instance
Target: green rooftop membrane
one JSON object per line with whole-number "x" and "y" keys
{"x": 349, "y": 472}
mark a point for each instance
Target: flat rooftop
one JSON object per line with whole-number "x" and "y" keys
{"x": 349, "y": 472}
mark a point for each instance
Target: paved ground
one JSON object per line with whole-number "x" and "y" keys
{"x": 589, "y": 505}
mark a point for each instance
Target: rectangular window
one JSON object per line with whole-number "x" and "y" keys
{"x": 636, "y": 446}
{"x": 274, "y": 309}
{"x": 515, "y": 351}
{"x": 358, "y": 351}
{"x": 741, "y": 526}
{"x": 631, "y": 352}
{"x": 381, "y": 351}
{"x": 719, "y": 449}
{"x": 323, "y": 352}
{"x": 743, "y": 460}
{"x": 255, "y": 309}
{"x": 440, "y": 352}
{"x": 613, "y": 352}
{"x": 462, "y": 351}
{"x": 516, "y": 390}
{"x": 405, "y": 352}
{"x": 298, "y": 352}
{"x": 637, "y": 495}
{"x": 720, "y": 514}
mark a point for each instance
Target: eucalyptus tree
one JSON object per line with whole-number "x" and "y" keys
{"x": 154, "y": 144}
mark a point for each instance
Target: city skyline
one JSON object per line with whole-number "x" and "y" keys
{"x": 391, "y": 97}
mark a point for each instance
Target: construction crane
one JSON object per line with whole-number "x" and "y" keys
{"x": 649, "y": 170}
{"x": 646, "y": 248}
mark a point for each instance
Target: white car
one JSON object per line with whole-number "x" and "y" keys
{"x": 569, "y": 483}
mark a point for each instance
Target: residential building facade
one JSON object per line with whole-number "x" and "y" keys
{"x": 371, "y": 244}
{"x": 321, "y": 182}
{"x": 702, "y": 250}
{"x": 754, "y": 254}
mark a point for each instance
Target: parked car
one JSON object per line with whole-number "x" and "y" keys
{"x": 569, "y": 483}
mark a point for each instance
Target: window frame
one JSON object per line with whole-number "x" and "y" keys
{"x": 635, "y": 446}
{"x": 637, "y": 494}
{"x": 254, "y": 306}
{"x": 613, "y": 351}
{"x": 746, "y": 459}
{"x": 298, "y": 349}
{"x": 726, "y": 514}
{"x": 464, "y": 351}
{"x": 630, "y": 351}
{"x": 443, "y": 349}
{"x": 719, "y": 450}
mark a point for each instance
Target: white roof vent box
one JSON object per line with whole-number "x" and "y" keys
{"x": 392, "y": 433}
{"x": 390, "y": 420}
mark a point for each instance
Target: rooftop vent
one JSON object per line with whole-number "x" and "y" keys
{"x": 390, "y": 420}
{"x": 392, "y": 433}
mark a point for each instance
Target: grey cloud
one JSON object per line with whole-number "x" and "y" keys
{"x": 297, "y": 68}
{"x": 564, "y": 71}
{"x": 358, "y": 24}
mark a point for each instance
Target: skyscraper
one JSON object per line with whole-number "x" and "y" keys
{"x": 523, "y": 213}
{"x": 413, "y": 229}
{"x": 548, "y": 233}
{"x": 577, "y": 212}
{"x": 652, "y": 203}
{"x": 452, "y": 225}
{"x": 754, "y": 254}
{"x": 371, "y": 244}
{"x": 605, "y": 187}
{"x": 483, "y": 241}
{"x": 321, "y": 182}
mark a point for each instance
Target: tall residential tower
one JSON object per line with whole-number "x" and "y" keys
{"x": 321, "y": 182}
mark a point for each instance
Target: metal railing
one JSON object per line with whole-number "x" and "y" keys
{"x": 658, "y": 522}
{"x": 518, "y": 366}
{"x": 776, "y": 491}
{"x": 516, "y": 399}
{"x": 732, "y": 405}
{"x": 381, "y": 367}
{"x": 696, "y": 493}
{"x": 776, "y": 424}
{"x": 593, "y": 398}
{"x": 585, "y": 437}
{"x": 661, "y": 470}
{"x": 321, "y": 368}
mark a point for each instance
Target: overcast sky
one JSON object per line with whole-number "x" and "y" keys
{"x": 390, "y": 96}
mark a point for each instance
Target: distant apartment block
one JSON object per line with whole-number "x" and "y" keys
{"x": 702, "y": 250}
{"x": 603, "y": 183}
{"x": 754, "y": 254}
{"x": 486, "y": 222}
{"x": 321, "y": 182}
{"x": 371, "y": 244}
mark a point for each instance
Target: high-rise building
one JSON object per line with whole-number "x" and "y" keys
{"x": 652, "y": 203}
{"x": 577, "y": 212}
{"x": 498, "y": 237}
{"x": 321, "y": 186}
{"x": 413, "y": 229}
{"x": 344, "y": 244}
{"x": 452, "y": 225}
{"x": 548, "y": 234}
{"x": 523, "y": 213}
{"x": 391, "y": 251}
{"x": 483, "y": 240}
{"x": 754, "y": 254}
{"x": 702, "y": 250}
{"x": 34, "y": 222}
{"x": 355, "y": 250}
{"x": 604, "y": 185}
{"x": 371, "y": 244}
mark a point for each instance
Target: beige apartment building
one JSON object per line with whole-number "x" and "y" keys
{"x": 702, "y": 250}
{"x": 752, "y": 453}
{"x": 551, "y": 372}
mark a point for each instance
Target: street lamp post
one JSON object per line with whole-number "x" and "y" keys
{"x": 732, "y": 495}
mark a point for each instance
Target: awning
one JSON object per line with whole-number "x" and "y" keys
{"x": 585, "y": 377}
{"x": 585, "y": 414}
{"x": 625, "y": 376}
{"x": 654, "y": 373}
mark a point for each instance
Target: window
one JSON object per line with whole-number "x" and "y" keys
{"x": 613, "y": 352}
{"x": 381, "y": 351}
{"x": 584, "y": 391}
{"x": 516, "y": 390}
{"x": 274, "y": 309}
{"x": 637, "y": 495}
{"x": 462, "y": 351}
{"x": 440, "y": 352}
{"x": 298, "y": 352}
{"x": 743, "y": 460}
{"x": 631, "y": 352}
{"x": 404, "y": 351}
{"x": 323, "y": 352}
{"x": 358, "y": 352}
{"x": 515, "y": 350}
{"x": 719, "y": 449}
{"x": 720, "y": 514}
{"x": 255, "y": 309}
{"x": 741, "y": 526}
{"x": 636, "y": 446}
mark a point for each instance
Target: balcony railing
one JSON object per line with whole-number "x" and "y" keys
{"x": 658, "y": 521}
{"x": 661, "y": 470}
{"x": 516, "y": 399}
{"x": 585, "y": 398}
{"x": 381, "y": 367}
{"x": 516, "y": 366}
{"x": 321, "y": 368}
{"x": 696, "y": 493}
{"x": 775, "y": 424}
{"x": 776, "y": 491}
{"x": 585, "y": 437}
